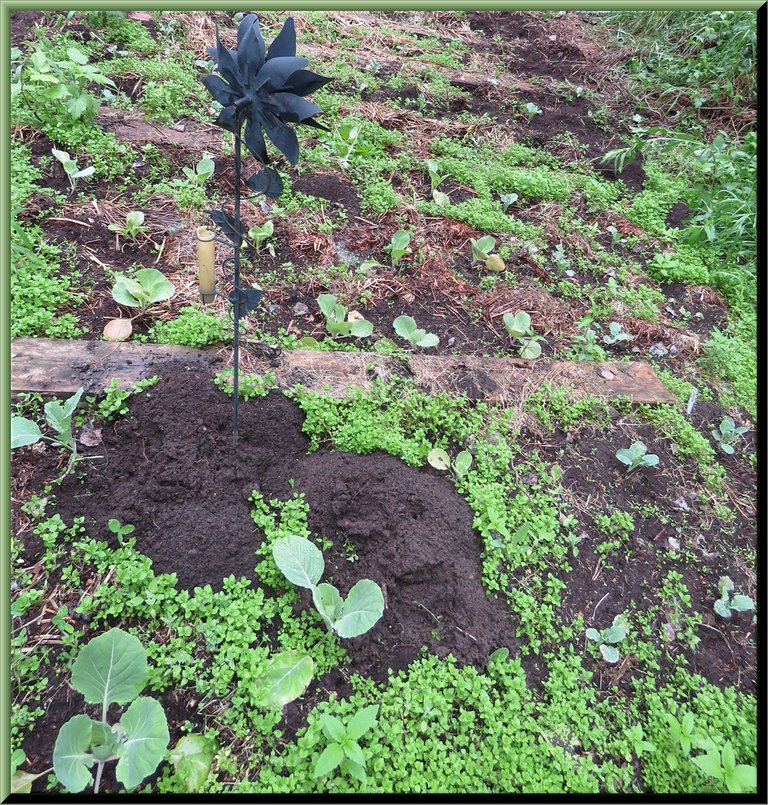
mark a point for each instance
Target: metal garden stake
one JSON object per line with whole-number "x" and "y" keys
{"x": 263, "y": 90}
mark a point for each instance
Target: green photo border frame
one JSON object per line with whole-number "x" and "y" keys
{"x": 7, "y": 6}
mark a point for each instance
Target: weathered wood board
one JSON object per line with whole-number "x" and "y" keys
{"x": 490, "y": 379}
{"x": 59, "y": 366}
{"x": 52, "y": 366}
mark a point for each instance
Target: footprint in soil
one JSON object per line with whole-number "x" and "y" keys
{"x": 170, "y": 470}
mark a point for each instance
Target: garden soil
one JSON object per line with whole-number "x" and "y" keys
{"x": 169, "y": 468}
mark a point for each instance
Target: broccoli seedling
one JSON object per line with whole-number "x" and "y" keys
{"x": 727, "y": 604}
{"x": 726, "y": 433}
{"x": 607, "y": 638}
{"x": 637, "y": 455}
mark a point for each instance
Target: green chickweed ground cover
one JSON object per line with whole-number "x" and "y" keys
{"x": 579, "y": 254}
{"x": 214, "y": 643}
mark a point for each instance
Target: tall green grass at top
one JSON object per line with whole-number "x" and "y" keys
{"x": 706, "y": 58}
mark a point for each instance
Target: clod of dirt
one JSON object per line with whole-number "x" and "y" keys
{"x": 170, "y": 470}
{"x": 329, "y": 187}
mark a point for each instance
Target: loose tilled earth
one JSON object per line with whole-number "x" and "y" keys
{"x": 419, "y": 86}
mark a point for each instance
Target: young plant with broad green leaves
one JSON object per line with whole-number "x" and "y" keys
{"x": 26, "y": 432}
{"x": 192, "y": 758}
{"x": 132, "y": 227}
{"x": 728, "y": 603}
{"x": 111, "y": 669}
{"x": 585, "y": 346}
{"x": 727, "y": 433}
{"x": 508, "y": 199}
{"x": 607, "y": 638}
{"x": 260, "y": 235}
{"x": 616, "y": 334}
{"x": 71, "y": 168}
{"x": 202, "y": 171}
{"x": 146, "y": 288}
{"x": 531, "y": 110}
{"x": 636, "y": 455}
{"x": 482, "y": 248}
{"x": 59, "y": 87}
{"x": 302, "y": 563}
{"x": 405, "y": 327}
{"x": 521, "y": 332}
{"x": 398, "y": 246}
{"x": 436, "y": 179}
{"x": 339, "y": 322}
{"x": 440, "y": 460}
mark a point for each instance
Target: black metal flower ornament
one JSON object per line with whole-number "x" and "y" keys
{"x": 263, "y": 89}
{"x": 266, "y": 90}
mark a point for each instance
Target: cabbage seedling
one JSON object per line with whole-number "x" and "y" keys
{"x": 482, "y": 248}
{"x": 338, "y": 322}
{"x": 532, "y": 110}
{"x": 111, "y": 669}
{"x": 616, "y": 334}
{"x": 133, "y": 226}
{"x": 435, "y": 177}
{"x": 508, "y": 199}
{"x": 70, "y": 168}
{"x": 192, "y": 758}
{"x": 302, "y": 563}
{"x": 146, "y": 288}
{"x": 398, "y": 246}
{"x": 559, "y": 258}
{"x": 405, "y": 327}
{"x": 726, "y": 604}
{"x": 259, "y": 235}
{"x": 436, "y": 180}
{"x": 637, "y": 455}
{"x": 519, "y": 328}
{"x": 202, "y": 172}
{"x": 607, "y": 638}
{"x": 440, "y": 460}
{"x": 726, "y": 433}
{"x": 26, "y": 432}
{"x": 586, "y": 348}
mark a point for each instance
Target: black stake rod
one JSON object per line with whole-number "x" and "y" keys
{"x": 235, "y": 375}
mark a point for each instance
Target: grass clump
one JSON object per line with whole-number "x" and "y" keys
{"x": 671, "y": 423}
{"x": 116, "y": 27}
{"x": 709, "y": 57}
{"x": 40, "y": 292}
{"x": 729, "y": 360}
{"x": 192, "y": 327}
{"x": 560, "y": 408}
{"x": 379, "y": 196}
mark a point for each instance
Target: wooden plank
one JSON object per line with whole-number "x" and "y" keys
{"x": 491, "y": 379}
{"x": 58, "y": 366}
{"x": 54, "y": 366}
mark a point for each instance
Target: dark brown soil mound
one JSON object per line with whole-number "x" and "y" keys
{"x": 412, "y": 534}
{"x": 170, "y": 470}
